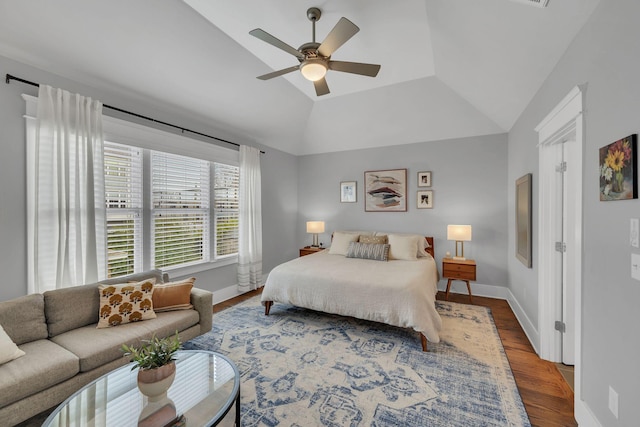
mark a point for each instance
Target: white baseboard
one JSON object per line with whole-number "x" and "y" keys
{"x": 230, "y": 292}
{"x": 584, "y": 416}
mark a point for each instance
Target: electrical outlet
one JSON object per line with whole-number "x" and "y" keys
{"x": 613, "y": 401}
{"x": 635, "y": 266}
{"x": 634, "y": 233}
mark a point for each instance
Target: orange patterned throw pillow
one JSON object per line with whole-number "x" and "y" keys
{"x": 125, "y": 303}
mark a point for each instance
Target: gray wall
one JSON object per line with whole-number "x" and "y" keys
{"x": 606, "y": 56}
{"x": 469, "y": 187}
{"x": 279, "y": 174}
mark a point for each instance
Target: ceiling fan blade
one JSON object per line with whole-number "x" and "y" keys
{"x": 321, "y": 87}
{"x": 278, "y": 73}
{"x": 370, "y": 70}
{"x": 338, "y": 36}
{"x": 266, "y": 37}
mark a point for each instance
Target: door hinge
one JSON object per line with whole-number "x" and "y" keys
{"x": 562, "y": 167}
{"x": 560, "y": 326}
{"x": 561, "y": 247}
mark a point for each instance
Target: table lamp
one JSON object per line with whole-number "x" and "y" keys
{"x": 315, "y": 227}
{"x": 461, "y": 234}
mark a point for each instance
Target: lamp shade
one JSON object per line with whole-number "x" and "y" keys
{"x": 315, "y": 226}
{"x": 459, "y": 233}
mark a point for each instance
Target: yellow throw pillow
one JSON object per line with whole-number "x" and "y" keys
{"x": 173, "y": 295}
{"x": 127, "y": 302}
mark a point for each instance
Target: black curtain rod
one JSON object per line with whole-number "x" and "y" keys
{"x": 9, "y": 77}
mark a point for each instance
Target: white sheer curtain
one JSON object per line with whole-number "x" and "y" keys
{"x": 65, "y": 201}
{"x": 250, "y": 224}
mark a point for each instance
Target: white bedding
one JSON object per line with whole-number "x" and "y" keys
{"x": 399, "y": 293}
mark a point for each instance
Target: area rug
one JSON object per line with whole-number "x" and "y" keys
{"x": 302, "y": 368}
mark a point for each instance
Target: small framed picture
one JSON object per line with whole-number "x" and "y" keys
{"x": 425, "y": 199}
{"x": 348, "y": 191}
{"x": 424, "y": 179}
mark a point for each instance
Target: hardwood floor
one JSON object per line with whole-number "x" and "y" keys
{"x": 547, "y": 397}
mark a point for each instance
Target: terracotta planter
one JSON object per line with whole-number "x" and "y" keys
{"x": 154, "y": 383}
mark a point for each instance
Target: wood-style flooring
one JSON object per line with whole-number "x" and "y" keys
{"x": 547, "y": 397}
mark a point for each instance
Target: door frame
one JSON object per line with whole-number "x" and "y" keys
{"x": 569, "y": 112}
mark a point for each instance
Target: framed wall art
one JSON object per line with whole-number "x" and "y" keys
{"x": 523, "y": 219}
{"x": 385, "y": 190}
{"x": 348, "y": 191}
{"x": 425, "y": 199}
{"x": 424, "y": 179}
{"x": 618, "y": 170}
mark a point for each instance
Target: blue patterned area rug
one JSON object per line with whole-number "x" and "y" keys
{"x": 302, "y": 368}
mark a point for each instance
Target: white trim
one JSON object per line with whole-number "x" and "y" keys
{"x": 229, "y": 292}
{"x": 584, "y": 415}
{"x": 569, "y": 109}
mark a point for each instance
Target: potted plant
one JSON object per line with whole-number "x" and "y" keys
{"x": 155, "y": 360}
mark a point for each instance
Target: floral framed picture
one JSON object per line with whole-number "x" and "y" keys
{"x": 618, "y": 170}
{"x": 425, "y": 199}
{"x": 385, "y": 191}
{"x": 348, "y": 192}
{"x": 424, "y": 179}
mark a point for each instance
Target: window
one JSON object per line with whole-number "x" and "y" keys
{"x": 171, "y": 201}
{"x": 179, "y": 212}
{"x": 180, "y": 209}
{"x": 227, "y": 188}
{"x": 123, "y": 193}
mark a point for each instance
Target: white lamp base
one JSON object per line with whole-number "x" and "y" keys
{"x": 459, "y": 258}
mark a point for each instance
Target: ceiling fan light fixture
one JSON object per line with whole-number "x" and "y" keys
{"x": 313, "y": 69}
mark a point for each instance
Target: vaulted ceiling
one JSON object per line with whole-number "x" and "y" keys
{"x": 449, "y": 68}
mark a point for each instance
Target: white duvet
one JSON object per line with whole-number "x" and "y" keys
{"x": 398, "y": 293}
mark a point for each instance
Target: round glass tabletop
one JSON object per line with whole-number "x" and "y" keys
{"x": 205, "y": 389}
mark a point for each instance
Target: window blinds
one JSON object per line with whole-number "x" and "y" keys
{"x": 123, "y": 197}
{"x": 180, "y": 209}
{"x": 227, "y": 188}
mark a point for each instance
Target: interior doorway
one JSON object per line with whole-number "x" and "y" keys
{"x": 560, "y": 145}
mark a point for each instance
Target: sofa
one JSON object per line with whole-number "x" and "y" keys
{"x": 65, "y": 350}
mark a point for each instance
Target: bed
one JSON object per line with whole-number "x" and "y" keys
{"x": 399, "y": 292}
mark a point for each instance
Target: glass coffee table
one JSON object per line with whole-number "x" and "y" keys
{"x": 205, "y": 389}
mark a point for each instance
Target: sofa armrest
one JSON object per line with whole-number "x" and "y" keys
{"x": 202, "y": 302}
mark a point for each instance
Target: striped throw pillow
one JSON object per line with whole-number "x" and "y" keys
{"x": 374, "y": 251}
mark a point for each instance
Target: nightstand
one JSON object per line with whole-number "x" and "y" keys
{"x": 455, "y": 269}
{"x": 308, "y": 250}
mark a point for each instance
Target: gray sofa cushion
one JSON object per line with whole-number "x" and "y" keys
{"x": 45, "y": 364}
{"x": 95, "y": 347}
{"x": 78, "y": 306}
{"x": 23, "y": 318}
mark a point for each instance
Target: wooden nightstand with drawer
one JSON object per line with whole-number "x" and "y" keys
{"x": 308, "y": 250}
{"x": 455, "y": 269}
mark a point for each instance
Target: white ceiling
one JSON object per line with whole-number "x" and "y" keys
{"x": 450, "y": 68}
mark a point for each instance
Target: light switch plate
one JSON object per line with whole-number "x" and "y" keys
{"x": 634, "y": 233}
{"x": 635, "y": 266}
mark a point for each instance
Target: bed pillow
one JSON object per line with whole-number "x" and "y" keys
{"x": 373, "y": 239}
{"x": 340, "y": 242}
{"x": 404, "y": 247}
{"x": 374, "y": 251}
{"x": 173, "y": 295}
{"x": 124, "y": 303}
{"x": 8, "y": 349}
{"x": 422, "y": 244}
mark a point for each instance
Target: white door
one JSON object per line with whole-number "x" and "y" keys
{"x": 564, "y": 286}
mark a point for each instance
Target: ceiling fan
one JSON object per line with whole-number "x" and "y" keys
{"x": 315, "y": 58}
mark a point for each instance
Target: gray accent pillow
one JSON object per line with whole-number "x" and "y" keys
{"x": 374, "y": 251}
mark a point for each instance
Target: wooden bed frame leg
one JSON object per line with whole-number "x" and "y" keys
{"x": 424, "y": 342}
{"x": 267, "y": 307}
